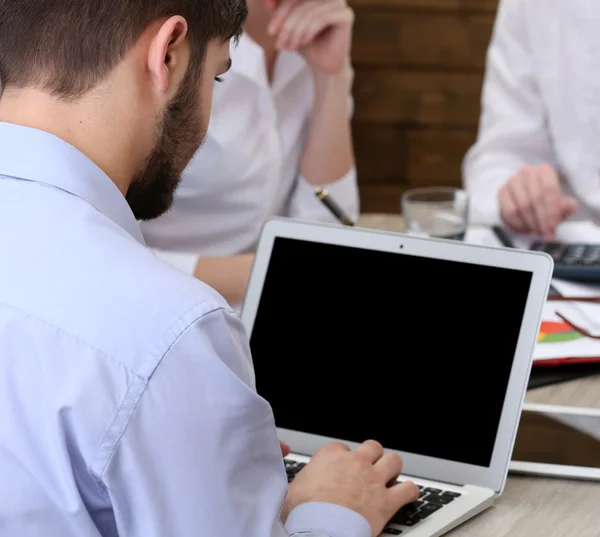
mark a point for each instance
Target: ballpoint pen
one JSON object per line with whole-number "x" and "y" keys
{"x": 335, "y": 209}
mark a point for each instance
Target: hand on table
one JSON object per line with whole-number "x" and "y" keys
{"x": 321, "y": 30}
{"x": 355, "y": 479}
{"x": 532, "y": 201}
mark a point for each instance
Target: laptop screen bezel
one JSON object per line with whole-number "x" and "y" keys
{"x": 539, "y": 265}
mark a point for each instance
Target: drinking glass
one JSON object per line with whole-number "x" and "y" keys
{"x": 440, "y": 212}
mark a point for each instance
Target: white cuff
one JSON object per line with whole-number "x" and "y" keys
{"x": 182, "y": 261}
{"x": 305, "y": 205}
{"x": 326, "y": 520}
{"x": 484, "y": 209}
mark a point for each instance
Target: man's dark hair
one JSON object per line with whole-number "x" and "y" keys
{"x": 67, "y": 47}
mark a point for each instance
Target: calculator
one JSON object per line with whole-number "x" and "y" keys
{"x": 572, "y": 261}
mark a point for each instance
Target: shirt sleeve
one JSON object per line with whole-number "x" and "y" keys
{"x": 512, "y": 127}
{"x": 199, "y": 454}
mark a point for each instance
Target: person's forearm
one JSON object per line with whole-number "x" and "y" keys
{"x": 227, "y": 275}
{"x": 328, "y": 154}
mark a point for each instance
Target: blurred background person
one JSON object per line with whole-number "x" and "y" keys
{"x": 536, "y": 160}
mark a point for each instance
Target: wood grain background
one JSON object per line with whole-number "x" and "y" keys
{"x": 419, "y": 69}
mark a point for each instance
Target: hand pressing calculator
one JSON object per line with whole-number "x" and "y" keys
{"x": 571, "y": 261}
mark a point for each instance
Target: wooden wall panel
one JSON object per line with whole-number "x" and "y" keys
{"x": 421, "y": 39}
{"x": 381, "y": 198}
{"x": 454, "y": 6}
{"x": 417, "y": 98}
{"x": 413, "y": 157}
{"x": 419, "y": 69}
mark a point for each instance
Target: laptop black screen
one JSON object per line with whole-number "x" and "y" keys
{"x": 413, "y": 352}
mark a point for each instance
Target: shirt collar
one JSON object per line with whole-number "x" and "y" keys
{"x": 38, "y": 156}
{"x": 248, "y": 60}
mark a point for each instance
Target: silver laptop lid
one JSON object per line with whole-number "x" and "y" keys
{"x": 423, "y": 345}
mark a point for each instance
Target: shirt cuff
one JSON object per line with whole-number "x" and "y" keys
{"x": 326, "y": 519}
{"x": 484, "y": 208}
{"x": 184, "y": 262}
{"x": 305, "y": 205}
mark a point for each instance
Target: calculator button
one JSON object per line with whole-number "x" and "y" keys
{"x": 557, "y": 253}
{"x": 589, "y": 261}
{"x": 569, "y": 261}
{"x": 574, "y": 252}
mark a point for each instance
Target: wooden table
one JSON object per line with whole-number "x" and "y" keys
{"x": 532, "y": 507}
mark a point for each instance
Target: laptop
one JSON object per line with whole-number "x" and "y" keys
{"x": 423, "y": 345}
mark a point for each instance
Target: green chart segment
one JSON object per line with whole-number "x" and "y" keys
{"x": 557, "y": 332}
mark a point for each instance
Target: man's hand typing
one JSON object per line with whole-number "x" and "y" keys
{"x": 357, "y": 480}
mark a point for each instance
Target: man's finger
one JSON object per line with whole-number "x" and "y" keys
{"x": 371, "y": 450}
{"x": 285, "y": 449}
{"x": 333, "y": 446}
{"x": 402, "y": 494}
{"x": 389, "y": 466}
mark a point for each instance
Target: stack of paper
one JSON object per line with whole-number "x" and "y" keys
{"x": 558, "y": 340}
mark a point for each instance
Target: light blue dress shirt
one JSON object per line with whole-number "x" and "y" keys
{"x": 127, "y": 395}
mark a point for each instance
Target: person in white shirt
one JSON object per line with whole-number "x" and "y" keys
{"x": 280, "y": 127}
{"x": 537, "y": 157}
{"x": 128, "y": 404}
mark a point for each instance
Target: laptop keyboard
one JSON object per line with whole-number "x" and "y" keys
{"x": 430, "y": 501}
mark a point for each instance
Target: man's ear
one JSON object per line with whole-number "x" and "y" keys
{"x": 169, "y": 55}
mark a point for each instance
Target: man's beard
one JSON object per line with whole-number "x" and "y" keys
{"x": 180, "y": 133}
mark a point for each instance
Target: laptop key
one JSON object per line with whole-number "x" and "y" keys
{"x": 434, "y": 491}
{"x": 452, "y": 494}
{"x": 428, "y": 509}
{"x": 392, "y": 531}
{"x": 407, "y": 516}
{"x": 404, "y": 514}
{"x": 441, "y": 499}
{"x": 412, "y": 521}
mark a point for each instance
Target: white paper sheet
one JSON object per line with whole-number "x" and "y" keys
{"x": 575, "y": 289}
{"x": 558, "y": 340}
